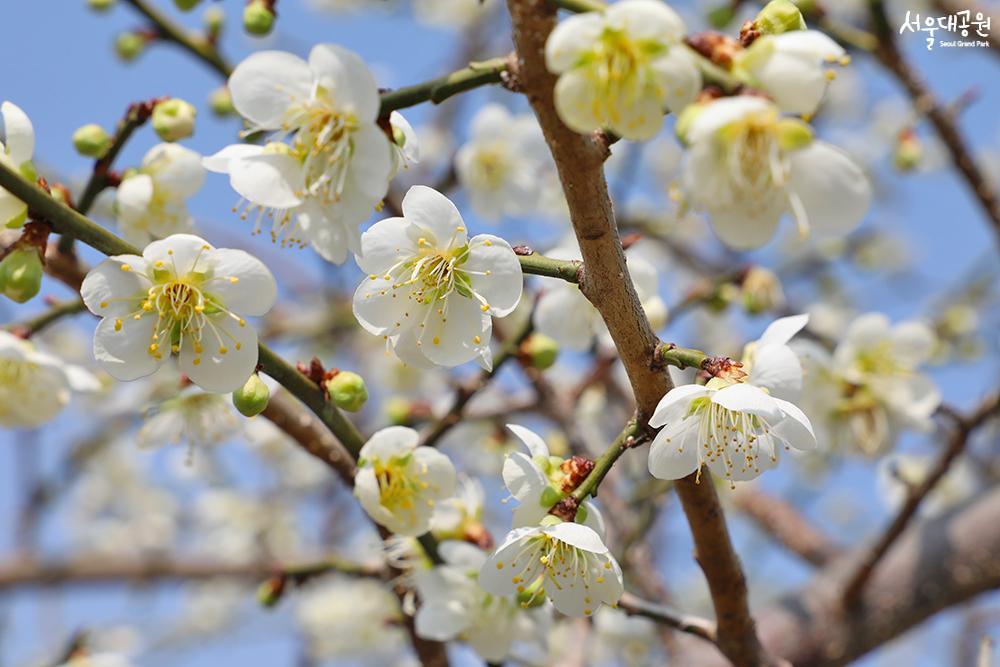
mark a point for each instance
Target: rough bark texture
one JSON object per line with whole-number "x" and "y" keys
{"x": 937, "y": 564}
{"x": 606, "y": 282}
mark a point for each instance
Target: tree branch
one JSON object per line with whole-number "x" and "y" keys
{"x": 699, "y": 627}
{"x": 579, "y": 160}
{"x": 199, "y": 47}
{"x": 438, "y": 90}
{"x": 786, "y": 525}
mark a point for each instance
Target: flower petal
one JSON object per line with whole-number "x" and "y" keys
{"x": 106, "y": 284}
{"x": 124, "y": 354}
{"x": 390, "y": 442}
{"x": 346, "y": 75}
{"x": 242, "y": 282}
{"x": 577, "y": 535}
{"x": 534, "y": 442}
{"x": 266, "y": 84}
{"x": 747, "y": 399}
{"x": 795, "y": 429}
{"x": 782, "y": 329}
{"x": 457, "y": 334}
{"x": 220, "y": 162}
{"x": 673, "y": 454}
{"x": 675, "y": 403}
{"x": 571, "y": 40}
{"x": 385, "y": 244}
{"x": 181, "y": 252}
{"x": 435, "y": 215}
{"x": 497, "y": 273}
{"x": 175, "y": 169}
{"x": 214, "y": 370}
{"x": 271, "y": 180}
{"x": 18, "y": 132}
{"x": 564, "y": 314}
{"x": 833, "y": 191}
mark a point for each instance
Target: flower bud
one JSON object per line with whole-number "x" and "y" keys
{"x": 173, "y": 119}
{"x": 761, "y": 291}
{"x": 779, "y": 16}
{"x": 908, "y": 151}
{"x": 92, "y": 141}
{"x": 252, "y": 397}
{"x": 221, "y": 102}
{"x": 347, "y": 390}
{"x": 398, "y": 411}
{"x": 129, "y": 45}
{"x": 213, "y": 18}
{"x": 21, "y": 274}
{"x": 794, "y": 134}
{"x": 186, "y": 5}
{"x": 269, "y": 593}
{"x": 541, "y": 350}
{"x": 100, "y": 5}
{"x": 258, "y": 19}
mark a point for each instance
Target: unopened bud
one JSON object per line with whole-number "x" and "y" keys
{"x": 173, "y": 119}
{"x": 100, "y": 5}
{"x": 794, "y": 134}
{"x": 347, "y": 390}
{"x": 252, "y": 397}
{"x": 221, "y": 102}
{"x": 258, "y": 19}
{"x": 398, "y": 411}
{"x": 779, "y": 16}
{"x": 541, "y": 350}
{"x": 186, "y": 5}
{"x": 908, "y": 152}
{"x": 21, "y": 274}
{"x": 270, "y": 592}
{"x": 92, "y": 141}
{"x": 761, "y": 291}
{"x": 129, "y": 45}
{"x": 214, "y": 18}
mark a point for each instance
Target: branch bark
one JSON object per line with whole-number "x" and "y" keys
{"x": 579, "y": 160}
{"x": 786, "y": 525}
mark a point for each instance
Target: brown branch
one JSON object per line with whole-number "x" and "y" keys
{"x": 786, "y": 525}
{"x": 579, "y": 160}
{"x": 694, "y": 625}
{"x": 916, "y": 495}
{"x": 889, "y": 54}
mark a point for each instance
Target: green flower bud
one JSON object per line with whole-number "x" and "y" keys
{"x": 779, "y": 16}
{"x": 252, "y": 397}
{"x": 258, "y": 19}
{"x": 221, "y": 102}
{"x": 92, "y": 141}
{"x": 269, "y": 593}
{"x": 186, "y": 5}
{"x": 129, "y": 45}
{"x": 347, "y": 391}
{"x": 794, "y": 134}
{"x": 213, "y": 18}
{"x": 541, "y": 350}
{"x": 100, "y": 5}
{"x": 908, "y": 152}
{"x": 21, "y": 274}
{"x": 549, "y": 497}
{"x": 581, "y": 514}
{"x": 397, "y": 411}
{"x": 173, "y": 119}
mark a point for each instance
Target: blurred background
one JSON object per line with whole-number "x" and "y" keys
{"x": 82, "y": 487}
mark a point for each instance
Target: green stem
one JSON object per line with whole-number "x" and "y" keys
{"x": 437, "y": 90}
{"x": 580, "y": 6}
{"x": 67, "y": 220}
{"x": 540, "y": 265}
{"x": 680, "y": 357}
{"x": 200, "y": 47}
{"x": 58, "y": 310}
{"x": 625, "y": 440}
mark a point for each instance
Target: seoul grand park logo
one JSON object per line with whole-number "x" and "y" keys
{"x": 967, "y": 29}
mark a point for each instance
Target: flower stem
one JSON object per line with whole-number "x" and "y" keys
{"x": 631, "y": 435}
{"x": 680, "y": 357}
{"x": 580, "y": 6}
{"x": 437, "y": 90}
{"x": 540, "y": 265}
{"x": 61, "y": 309}
{"x": 199, "y": 47}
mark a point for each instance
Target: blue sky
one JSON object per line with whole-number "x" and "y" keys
{"x": 59, "y": 66}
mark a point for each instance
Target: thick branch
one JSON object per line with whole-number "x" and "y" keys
{"x": 606, "y": 283}
{"x": 786, "y": 525}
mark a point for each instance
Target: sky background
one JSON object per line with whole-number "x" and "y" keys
{"x": 57, "y": 63}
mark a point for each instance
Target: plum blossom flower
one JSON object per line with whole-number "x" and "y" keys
{"x": 455, "y": 606}
{"x": 431, "y": 290}
{"x": 499, "y": 166}
{"x": 540, "y": 481}
{"x": 335, "y": 168}
{"x": 897, "y": 474}
{"x": 457, "y": 14}
{"x": 566, "y": 562}
{"x": 16, "y": 149}
{"x": 399, "y": 483}
{"x": 771, "y": 363}
{"x": 151, "y": 202}
{"x": 565, "y": 314}
{"x": 622, "y": 68}
{"x": 35, "y": 386}
{"x": 790, "y": 68}
{"x": 197, "y": 417}
{"x": 183, "y": 297}
{"x": 747, "y": 167}
{"x": 870, "y": 388}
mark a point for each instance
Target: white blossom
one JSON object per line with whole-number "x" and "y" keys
{"x": 501, "y": 163}
{"x": 196, "y": 417}
{"x": 36, "y": 386}
{"x": 621, "y": 68}
{"x": 454, "y": 606}
{"x": 151, "y": 202}
{"x": 747, "y": 167}
{"x": 16, "y": 150}
{"x": 183, "y": 297}
{"x": 97, "y": 660}
{"x": 456, "y": 14}
{"x": 335, "y": 168}
{"x": 431, "y": 290}
{"x": 399, "y": 483}
{"x": 897, "y": 474}
{"x": 567, "y": 562}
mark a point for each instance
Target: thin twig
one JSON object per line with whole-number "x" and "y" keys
{"x": 198, "y": 46}
{"x": 786, "y": 525}
{"x": 694, "y": 625}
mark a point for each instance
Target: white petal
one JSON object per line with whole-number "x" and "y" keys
{"x": 675, "y": 403}
{"x": 498, "y": 570}
{"x": 781, "y": 330}
{"x": 220, "y": 162}
{"x": 216, "y": 371}
{"x": 436, "y": 215}
{"x": 371, "y": 162}
{"x": 106, "y": 283}
{"x": 913, "y": 343}
{"x": 571, "y": 40}
{"x": 795, "y": 429}
{"x": 350, "y": 81}
{"x": 679, "y": 79}
{"x": 834, "y": 192}
{"x": 747, "y": 399}
{"x": 378, "y": 309}
{"x": 437, "y": 470}
{"x": 441, "y": 620}
{"x": 578, "y": 103}
{"x": 133, "y": 198}
{"x": 390, "y": 442}
{"x": 385, "y": 244}
{"x": 176, "y": 170}
{"x": 271, "y": 180}
{"x": 254, "y": 291}
{"x": 647, "y": 20}
{"x": 719, "y": 113}
{"x": 180, "y": 252}
{"x": 125, "y": 354}
{"x": 744, "y": 229}
{"x": 673, "y": 454}
{"x": 267, "y": 83}
{"x": 777, "y": 368}
{"x": 164, "y": 428}
{"x": 577, "y": 535}
{"x": 326, "y": 233}
{"x": 523, "y": 478}
{"x": 458, "y": 335}
{"x": 534, "y": 442}
{"x": 502, "y": 287}
{"x": 19, "y": 133}
{"x": 366, "y": 490}
{"x": 564, "y": 314}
